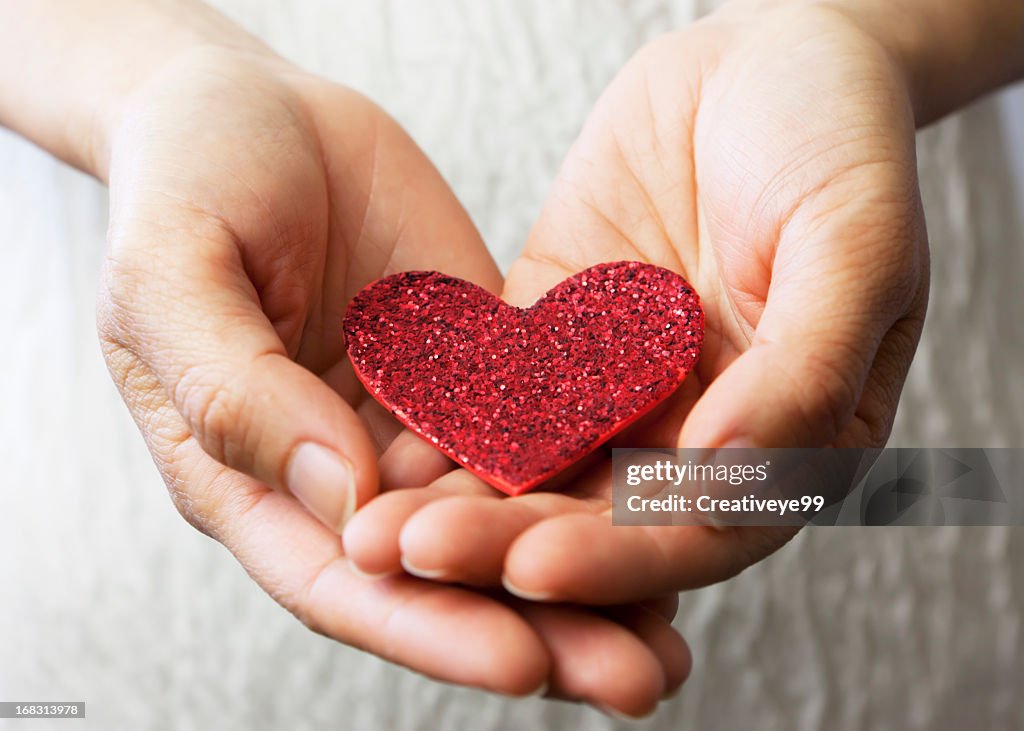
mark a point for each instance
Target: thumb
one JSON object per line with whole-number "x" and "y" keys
{"x": 832, "y": 348}
{"x": 181, "y": 306}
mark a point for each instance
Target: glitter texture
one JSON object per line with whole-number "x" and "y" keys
{"x": 516, "y": 395}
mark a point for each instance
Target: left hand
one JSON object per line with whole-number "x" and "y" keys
{"x": 250, "y": 201}
{"x": 768, "y": 156}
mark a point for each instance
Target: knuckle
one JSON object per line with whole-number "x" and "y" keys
{"x": 902, "y": 266}
{"x": 878, "y": 430}
{"x": 877, "y": 409}
{"x": 834, "y": 390}
{"x": 207, "y": 506}
{"x": 872, "y": 423}
{"x": 139, "y": 388}
{"x": 210, "y": 497}
{"x": 188, "y": 509}
{"x": 214, "y": 407}
{"x": 169, "y": 448}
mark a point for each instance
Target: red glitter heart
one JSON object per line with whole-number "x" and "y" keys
{"x": 516, "y": 395}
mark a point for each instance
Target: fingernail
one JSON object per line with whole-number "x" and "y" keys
{"x": 739, "y": 443}
{"x": 538, "y": 692}
{"x": 366, "y": 574}
{"x": 532, "y": 596}
{"x": 322, "y": 481}
{"x": 710, "y": 522}
{"x": 616, "y": 713}
{"x": 734, "y": 443}
{"x": 541, "y": 691}
{"x": 432, "y": 574}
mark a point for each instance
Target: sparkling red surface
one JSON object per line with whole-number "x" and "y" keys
{"x": 516, "y": 395}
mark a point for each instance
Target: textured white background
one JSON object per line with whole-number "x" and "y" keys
{"x": 107, "y": 596}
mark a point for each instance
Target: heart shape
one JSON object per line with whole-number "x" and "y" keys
{"x": 516, "y": 395}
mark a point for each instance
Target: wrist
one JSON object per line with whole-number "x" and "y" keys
{"x": 101, "y": 115}
{"x": 949, "y": 52}
{"x": 80, "y": 65}
{"x": 179, "y": 80}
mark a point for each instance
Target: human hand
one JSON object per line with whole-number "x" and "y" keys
{"x": 249, "y": 202}
{"x": 767, "y": 154}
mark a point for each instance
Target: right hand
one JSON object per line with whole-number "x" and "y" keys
{"x": 250, "y": 202}
{"x": 767, "y": 155}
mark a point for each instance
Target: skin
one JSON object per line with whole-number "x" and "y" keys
{"x": 252, "y": 202}
{"x": 249, "y": 202}
{"x": 766, "y": 153}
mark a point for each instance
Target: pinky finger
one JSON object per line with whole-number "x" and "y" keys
{"x": 597, "y": 660}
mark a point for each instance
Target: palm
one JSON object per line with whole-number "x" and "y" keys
{"x": 695, "y": 159}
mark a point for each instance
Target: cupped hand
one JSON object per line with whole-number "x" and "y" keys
{"x": 249, "y": 203}
{"x": 767, "y": 154}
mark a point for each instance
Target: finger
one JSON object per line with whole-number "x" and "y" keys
{"x": 844, "y": 273}
{"x": 372, "y": 536}
{"x": 411, "y": 622}
{"x": 873, "y": 419}
{"x": 598, "y": 563}
{"x": 664, "y": 606}
{"x": 382, "y": 427}
{"x": 410, "y": 462}
{"x": 450, "y": 634}
{"x": 179, "y": 300}
{"x": 447, "y": 633}
{"x": 598, "y": 661}
{"x": 657, "y": 633}
{"x": 406, "y": 459}
{"x": 485, "y": 527}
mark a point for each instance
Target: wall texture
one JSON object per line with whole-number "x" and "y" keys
{"x": 108, "y": 596}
